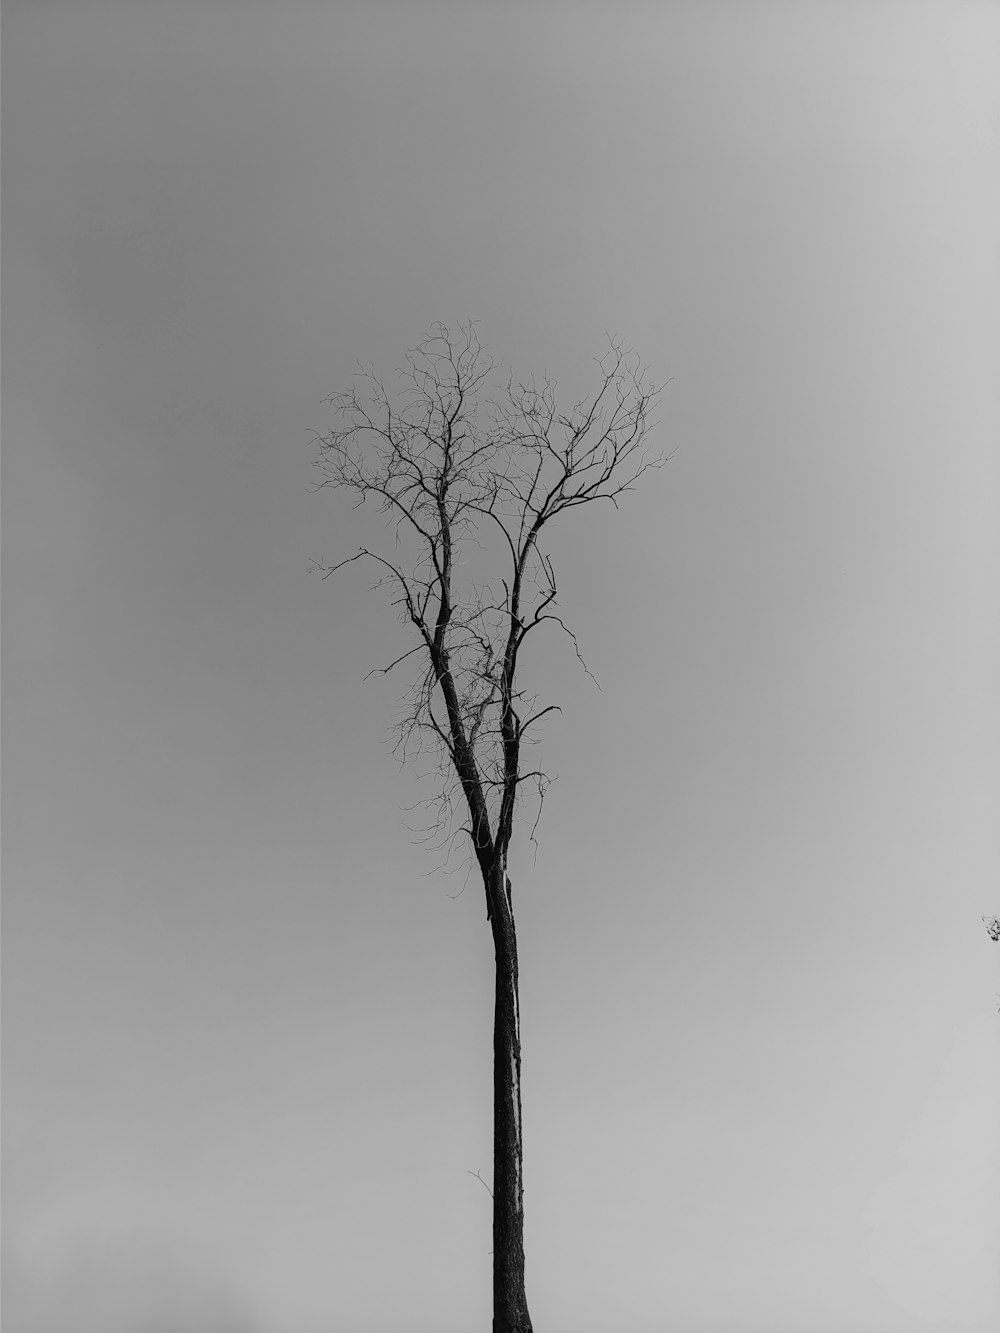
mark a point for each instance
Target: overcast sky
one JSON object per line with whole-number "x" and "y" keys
{"x": 247, "y": 1019}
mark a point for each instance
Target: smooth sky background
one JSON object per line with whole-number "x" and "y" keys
{"x": 247, "y": 1021}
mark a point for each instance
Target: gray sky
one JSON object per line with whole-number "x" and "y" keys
{"x": 247, "y": 1021}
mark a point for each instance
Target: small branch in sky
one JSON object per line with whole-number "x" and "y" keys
{"x": 481, "y": 1181}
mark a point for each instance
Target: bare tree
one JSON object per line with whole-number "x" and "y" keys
{"x": 472, "y": 484}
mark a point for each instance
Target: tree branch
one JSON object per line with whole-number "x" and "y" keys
{"x": 456, "y": 478}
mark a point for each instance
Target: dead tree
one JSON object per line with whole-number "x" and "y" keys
{"x": 470, "y": 485}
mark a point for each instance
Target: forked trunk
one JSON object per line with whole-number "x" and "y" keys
{"x": 510, "y": 1305}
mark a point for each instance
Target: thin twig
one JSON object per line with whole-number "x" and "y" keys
{"x": 481, "y": 1181}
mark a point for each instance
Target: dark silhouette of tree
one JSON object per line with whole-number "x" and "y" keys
{"x": 470, "y": 485}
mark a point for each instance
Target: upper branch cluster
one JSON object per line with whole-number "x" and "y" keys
{"x": 450, "y": 470}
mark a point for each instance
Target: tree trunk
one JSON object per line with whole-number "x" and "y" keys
{"x": 510, "y": 1306}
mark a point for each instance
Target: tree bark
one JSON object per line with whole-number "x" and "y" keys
{"x": 510, "y": 1305}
